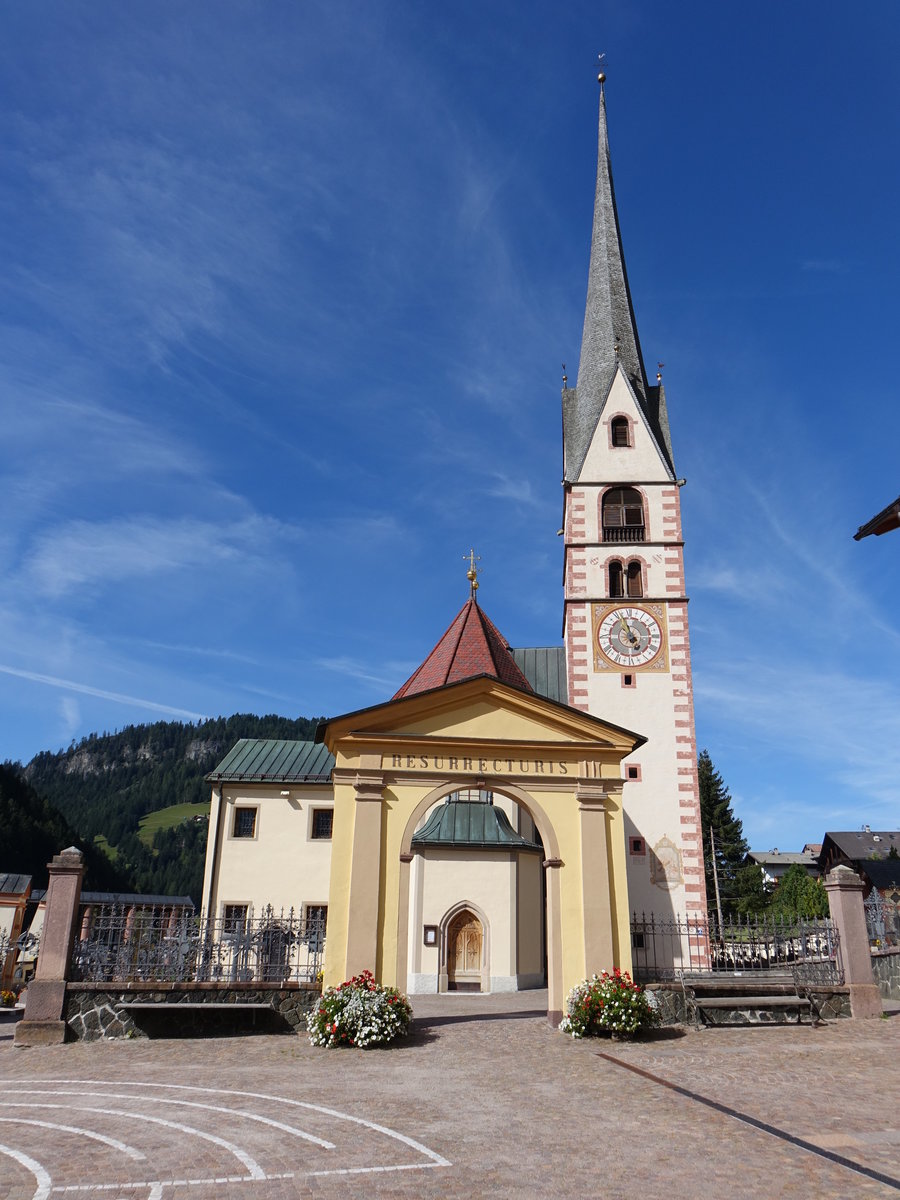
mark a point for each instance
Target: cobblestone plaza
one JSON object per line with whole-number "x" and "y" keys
{"x": 485, "y": 1099}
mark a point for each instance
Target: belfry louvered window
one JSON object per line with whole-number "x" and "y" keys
{"x": 619, "y": 431}
{"x": 616, "y": 579}
{"x": 623, "y": 515}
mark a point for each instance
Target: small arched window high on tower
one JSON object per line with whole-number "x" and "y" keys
{"x": 623, "y": 515}
{"x": 616, "y": 579}
{"x": 634, "y": 579}
{"x": 619, "y": 431}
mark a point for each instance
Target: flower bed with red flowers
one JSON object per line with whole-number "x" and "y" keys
{"x": 607, "y": 1004}
{"x": 359, "y": 1013}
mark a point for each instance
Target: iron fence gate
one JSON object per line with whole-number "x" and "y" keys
{"x": 661, "y": 947}
{"x": 883, "y": 919}
{"x": 156, "y": 943}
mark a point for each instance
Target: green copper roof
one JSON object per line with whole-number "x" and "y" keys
{"x": 271, "y": 760}
{"x": 471, "y": 823}
{"x": 545, "y": 669}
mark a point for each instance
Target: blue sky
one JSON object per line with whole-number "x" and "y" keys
{"x": 285, "y": 293}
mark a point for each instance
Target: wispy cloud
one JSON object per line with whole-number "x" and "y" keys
{"x": 848, "y": 726}
{"x": 86, "y": 554}
{"x": 390, "y": 675}
{"x": 85, "y": 689}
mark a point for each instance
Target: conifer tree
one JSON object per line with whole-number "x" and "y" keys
{"x": 730, "y": 844}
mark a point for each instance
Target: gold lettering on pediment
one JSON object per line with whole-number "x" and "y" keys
{"x": 466, "y": 765}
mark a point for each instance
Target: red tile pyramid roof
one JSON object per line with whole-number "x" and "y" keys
{"x": 471, "y": 646}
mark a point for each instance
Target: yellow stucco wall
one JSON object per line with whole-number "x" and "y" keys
{"x": 394, "y": 751}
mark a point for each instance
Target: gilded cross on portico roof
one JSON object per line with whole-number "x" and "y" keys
{"x": 472, "y": 573}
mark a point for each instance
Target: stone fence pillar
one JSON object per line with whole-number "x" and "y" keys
{"x": 845, "y": 899}
{"x": 43, "y": 1023}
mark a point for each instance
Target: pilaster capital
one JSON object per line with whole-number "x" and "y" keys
{"x": 369, "y": 785}
{"x": 591, "y": 793}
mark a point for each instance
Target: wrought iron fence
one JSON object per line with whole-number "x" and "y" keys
{"x": 883, "y": 920}
{"x": 24, "y": 950}
{"x": 661, "y": 947}
{"x": 122, "y": 943}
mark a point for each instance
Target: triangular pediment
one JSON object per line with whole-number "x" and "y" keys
{"x": 478, "y": 710}
{"x": 643, "y": 459}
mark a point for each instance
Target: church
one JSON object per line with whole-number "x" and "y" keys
{"x": 493, "y": 825}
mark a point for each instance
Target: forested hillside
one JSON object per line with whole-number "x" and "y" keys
{"x": 106, "y": 783}
{"x": 33, "y": 831}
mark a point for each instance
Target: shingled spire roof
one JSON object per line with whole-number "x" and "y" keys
{"x": 472, "y": 646}
{"x": 610, "y": 338}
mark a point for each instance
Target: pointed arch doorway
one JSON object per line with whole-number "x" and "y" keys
{"x": 465, "y": 946}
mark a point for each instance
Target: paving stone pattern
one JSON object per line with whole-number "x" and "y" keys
{"x": 483, "y": 1084}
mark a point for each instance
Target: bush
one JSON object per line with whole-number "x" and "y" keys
{"x": 359, "y": 1013}
{"x": 607, "y": 1004}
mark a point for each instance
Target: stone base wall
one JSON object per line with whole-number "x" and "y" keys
{"x": 830, "y": 1004}
{"x": 886, "y": 968}
{"x": 93, "y": 1014}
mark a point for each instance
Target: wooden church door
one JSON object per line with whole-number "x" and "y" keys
{"x": 464, "y": 949}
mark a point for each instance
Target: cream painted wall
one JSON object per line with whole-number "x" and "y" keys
{"x": 505, "y": 888}
{"x": 282, "y": 865}
{"x": 622, "y": 464}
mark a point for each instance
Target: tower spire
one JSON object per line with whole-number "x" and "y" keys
{"x": 610, "y": 330}
{"x": 610, "y": 338}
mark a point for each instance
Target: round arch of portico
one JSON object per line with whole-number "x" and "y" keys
{"x": 552, "y": 863}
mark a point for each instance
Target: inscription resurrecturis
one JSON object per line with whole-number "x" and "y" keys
{"x": 480, "y": 766}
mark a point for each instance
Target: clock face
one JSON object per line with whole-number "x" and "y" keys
{"x": 629, "y": 637}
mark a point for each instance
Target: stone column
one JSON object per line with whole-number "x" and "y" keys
{"x": 845, "y": 899}
{"x": 43, "y": 1023}
{"x": 365, "y": 868}
{"x": 590, "y": 793}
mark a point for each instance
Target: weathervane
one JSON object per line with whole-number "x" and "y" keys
{"x": 472, "y": 573}
{"x": 565, "y": 377}
{"x": 659, "y": 369}
{"x": 601, "y": 77}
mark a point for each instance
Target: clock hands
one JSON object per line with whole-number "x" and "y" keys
{"x": 630, "y": 635}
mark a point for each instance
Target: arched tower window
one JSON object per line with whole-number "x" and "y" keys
{"x": 623, "y": 515}
{"x": 616, "y": 579}
{"x": 619, "y": 431}
{"x": 634, "y": 579}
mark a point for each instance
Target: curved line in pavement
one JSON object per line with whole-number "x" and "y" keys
{"x": 32, "y": 1165}
{"x": 238, "y": 1112}
{"x": 88, "y": 1133}
{"x": 437, "y": 1159}
{"x": 253, "y": 1167}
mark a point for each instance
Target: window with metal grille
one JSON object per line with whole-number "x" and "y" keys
{"x": 317, "y": 914}
{"x": 244, "y": 823}
{"x": 619, "y": 431}
{"x": 322, "y": 823}
{"x": 234, "y": 918}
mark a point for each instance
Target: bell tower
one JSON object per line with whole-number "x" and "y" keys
{"x": 625, "y": 621}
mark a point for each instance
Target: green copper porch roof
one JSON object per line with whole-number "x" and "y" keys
{"x": 473, "y": 824}
{"x": 271, "y": 760}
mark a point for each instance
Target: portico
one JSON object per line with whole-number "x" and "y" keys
{"x": 554, "y": 770}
